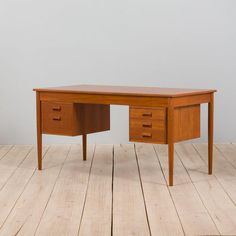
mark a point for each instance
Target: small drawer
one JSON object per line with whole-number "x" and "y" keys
{"x": 147, "y": 124}
{"x": 147, "y": 135}
{"x": 57, "y": 118}
{"x": 148, "y": 113}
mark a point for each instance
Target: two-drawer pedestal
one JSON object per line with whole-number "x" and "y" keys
{"x": 73, "y": 119}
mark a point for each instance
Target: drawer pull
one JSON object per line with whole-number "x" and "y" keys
{"x": 57, "y": 118}
{"x": 146, "y": 135}
{"x": 147, "y": 125}
{"x": 56, "y": 108}
{"x": 147, "y": 114}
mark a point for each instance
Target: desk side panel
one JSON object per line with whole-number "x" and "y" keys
{"x": 186, "y": 123}
{"x": 92, "y": 118}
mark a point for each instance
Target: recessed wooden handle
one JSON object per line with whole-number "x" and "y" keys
{"x": 56, "y": 108}
{"x": 147, "y": 125}
{"x": 146, "y": 135}
{"x": 58, "y": 118}
{"x": 147, "y": 114}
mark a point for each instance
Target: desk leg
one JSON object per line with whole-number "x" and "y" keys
{"x": 210, "y": 133}
{"x": 39, "y": 130}
{"x": 170, "y": 114}
{"x": 84, "y": 147}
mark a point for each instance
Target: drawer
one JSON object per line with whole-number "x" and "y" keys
{"x": 147, "y": 135}
{"x": 57, "y": 118}
{"x": 147, "y": 124}
{"x": 147, "y": 113}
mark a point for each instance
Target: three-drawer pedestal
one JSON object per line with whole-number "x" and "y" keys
{"x": 150, "y": 125}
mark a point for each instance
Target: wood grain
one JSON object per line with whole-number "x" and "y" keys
{"x": 125, "y": 90}
{"x": 177, "y": 111}
{"x": 10, "y": 162}
{"x": 39, "y": 129}
{"x": 4, "y": 149}
{"x": 186, "y": 123}
{"x": 84, "y": 141}
{"x": 104, "y": 99}
{"x": 71, "y": 119}
{"x": 52, "y": 201}
{"x": 229, "y": 152}
{"x": 191, "y": 210}
{"x": 16, "y": 184}
{"x": 146, "y": 135}
{"x": 224, "y": 169}
{"x": 220, "y": 207}
{"x": 129, "y": 217}
{"x": 26, "y": 214}
{"x": 147, "y": 125}
{"x": 191, "y": 100}
{"x": 58, "y": 121}
{"x": 98, "y": 205}
{"x": 147, "y": 113}
{"x": 63, "y": 213}
{"x": 210, "y": 133}
{"x": 170, "y": 141}
{"x": 162, "y": 215}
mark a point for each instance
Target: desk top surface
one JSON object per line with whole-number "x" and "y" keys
{"x": 126, "y": 90}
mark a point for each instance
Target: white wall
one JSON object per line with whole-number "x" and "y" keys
{"x": 126, "y": 42}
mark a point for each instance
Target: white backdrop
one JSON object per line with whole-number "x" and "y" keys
{"x": 127, "y": 42}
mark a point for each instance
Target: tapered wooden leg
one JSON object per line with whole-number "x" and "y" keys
{"x": 39, "y": 130}
{"x": 210, "y": 133}
{"x": 84, "y": 147}
{"x": 170, "y": 114}
{"x": 171, "y": 163}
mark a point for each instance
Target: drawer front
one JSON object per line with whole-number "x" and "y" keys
{"x": 147, "y": 135}
{"x": 57, "y": 118}
{"x": 147, "y": 124}
{"x": 147, "y": 113}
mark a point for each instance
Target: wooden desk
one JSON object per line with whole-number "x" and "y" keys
{"x": 156, "y": 115}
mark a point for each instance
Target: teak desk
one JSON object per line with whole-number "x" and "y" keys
{"x": 156, "y": 115}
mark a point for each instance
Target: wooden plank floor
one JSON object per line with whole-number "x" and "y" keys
{"x": 119, "y": 190}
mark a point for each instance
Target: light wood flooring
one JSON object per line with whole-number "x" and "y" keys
{"x": 120, "y": 190}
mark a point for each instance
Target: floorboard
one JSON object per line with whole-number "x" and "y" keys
{"x": 64, "y": 209}
{"x": 4, "y": 149}
{"x": 129, "y": 215}
{"x": 162, "y": 215}
{"x": 229, "y": 152}
{"x": 26, "y": 214}
{"x": 11, "y": 160}
{"x": 192, "y": 212}
{"x": 16, "y": 184}
{"x": 219, "y": 205}
{"x": 98, "y": 204}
